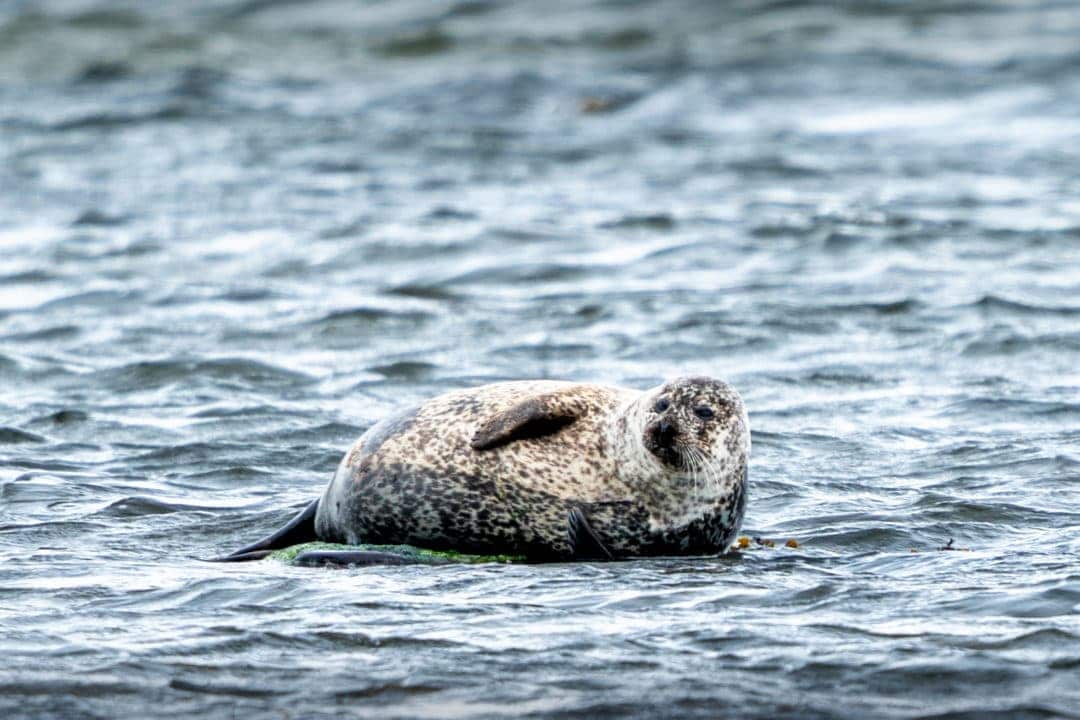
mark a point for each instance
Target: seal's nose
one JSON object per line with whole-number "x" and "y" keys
{"x": 665, "y": 434}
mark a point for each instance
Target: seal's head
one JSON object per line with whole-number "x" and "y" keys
{"x": 696, "y": 422}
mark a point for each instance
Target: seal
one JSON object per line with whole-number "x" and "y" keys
{"x": 548, "y": 470}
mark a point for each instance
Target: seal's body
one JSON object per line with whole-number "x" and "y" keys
{"x": 549, "y": 470}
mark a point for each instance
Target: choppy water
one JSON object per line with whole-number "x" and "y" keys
{"x": 235, "y": 234}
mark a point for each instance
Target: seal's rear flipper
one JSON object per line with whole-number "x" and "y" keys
{"x": 585, "y": 544}
{"x": 349, "y": 558}
{"x": 300, "y": 529}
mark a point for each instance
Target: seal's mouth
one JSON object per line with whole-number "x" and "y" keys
{"x": 661, "y": 440}
{"x": 669, "y": 456}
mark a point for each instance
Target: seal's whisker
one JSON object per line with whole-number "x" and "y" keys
{"x": 713, "y": 474}
{"x": 690, "y": 461}
{"x": 696, "y": 466}
{"x": 706, "y": 481}
{"x": 702, "y": 465}
{"x": 714, "y": 468}
{"x": 686, "y": 452}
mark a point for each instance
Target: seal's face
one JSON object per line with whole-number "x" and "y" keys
{"x": 693, "y": 423}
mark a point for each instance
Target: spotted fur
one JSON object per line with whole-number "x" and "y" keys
{"x": 498, "y": 468}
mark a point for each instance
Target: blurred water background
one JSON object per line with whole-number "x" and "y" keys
{"x": 236, "y": 233}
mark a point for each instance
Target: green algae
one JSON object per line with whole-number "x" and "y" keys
{"x": 421, "y": 555}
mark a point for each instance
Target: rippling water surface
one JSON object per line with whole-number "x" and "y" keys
{"x": 234, "y": 234}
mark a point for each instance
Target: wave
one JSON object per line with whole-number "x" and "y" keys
{"x": 150, "y": 374}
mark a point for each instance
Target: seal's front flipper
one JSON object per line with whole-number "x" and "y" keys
{"x": 532, "y": 418}
{"x": 609, "y": 529}
{"x": 585, "y": 544}
{"x": 300, "y": 529}
{"x": 352, "y": 558}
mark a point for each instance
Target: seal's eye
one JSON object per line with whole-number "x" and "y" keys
{"x": 661, "y": 405}
{"x": 704, "y": 412}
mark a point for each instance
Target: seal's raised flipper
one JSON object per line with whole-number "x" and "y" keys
{"x": 585, "y": 544}
{"x": 300, "y": 529}
{"x": 347, "y": 558}
{"x": 535, "y": 417}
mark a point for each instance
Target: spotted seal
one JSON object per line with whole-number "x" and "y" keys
{"x": 549, "y": 470}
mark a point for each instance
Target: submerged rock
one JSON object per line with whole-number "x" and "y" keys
{"x": 407, "y": 554}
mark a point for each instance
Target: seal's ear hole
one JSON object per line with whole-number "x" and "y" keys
{"x": 704, "y": 412}
{"x": 661, "y": 405}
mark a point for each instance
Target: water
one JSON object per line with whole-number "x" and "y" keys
{"x": 233, "y": 235}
